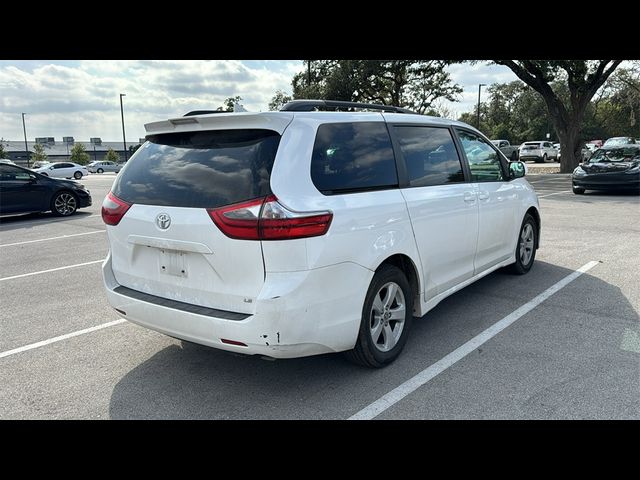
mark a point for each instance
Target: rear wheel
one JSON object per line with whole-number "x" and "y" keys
{"x": 64, "y": 204}
{"x": 77, "y": 175}
{"x": 526, "y": 246}
{"x": 544, "y": 158}
{"x": 578, "y": 190}
{"x": 386, "y": 318}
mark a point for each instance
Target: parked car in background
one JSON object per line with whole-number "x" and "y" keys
{"x": 510, "y": 151}
{"x": 24, "y": 191}
{"x": 585, "y": 153}
{"x": 540, "y": 151}
{"x": 40, "y": 164}
{"x": 597, "y": 143}
{"x": 619, "y": 141}
{"x": 615, "y": 167}
{"x": 63, "y": 170}
{"x": 297, "y": 232}
{"x": 104, "y": 166}
{"x": 7, "y": 161}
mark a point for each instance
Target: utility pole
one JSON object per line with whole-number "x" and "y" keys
{"x": 124, "y": 141}
{"x": 479, "y": 87}
{"x": 26, "y": 148}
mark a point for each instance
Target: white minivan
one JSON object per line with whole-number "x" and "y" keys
{"x": 307, "y": 231}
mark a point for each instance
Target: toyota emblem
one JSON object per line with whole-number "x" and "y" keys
{"x": 163, "y": 221}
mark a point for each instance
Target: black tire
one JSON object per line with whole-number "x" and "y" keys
{"x": 523, "y": 266}
{"x": 77, "y": 175}
{"x": 64, "y": 203}
{"x": 100, "y": 170}
{"x": 514, "y": 156}
{"x": 367, "y": 352}
{"x": 544, "y": 158}
{"x": 578, "y": 190}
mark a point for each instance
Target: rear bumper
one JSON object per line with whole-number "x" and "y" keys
{"x": 297, "y": 314}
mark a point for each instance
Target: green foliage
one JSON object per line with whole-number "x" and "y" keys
{"x": 112, "y": 156}
{"x": 278, "y": 100}
{"x": 39, "y": 155}
{"x": 133, "y": 149}
{"x": 3, "y": 152}
{"x": 79, "y": 154}
{"x": 229, "y": 103}
{"x": 415, "y": 84}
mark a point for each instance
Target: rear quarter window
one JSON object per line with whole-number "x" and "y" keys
{"x": 199, "y": 169}
{"x": 353, "y": 157}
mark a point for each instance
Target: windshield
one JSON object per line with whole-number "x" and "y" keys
{"x": 628, "y": 154}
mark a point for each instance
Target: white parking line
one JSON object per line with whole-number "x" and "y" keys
{"x": 60, "y": 338}
{"x": 51, "y": 238}
{"x": 398, "y": 393}
{"x": 556, "y": 193}
{"x": 50, "y": 270}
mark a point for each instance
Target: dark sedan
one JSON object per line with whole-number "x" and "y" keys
{"x": 24, "y": 191}
{"x": 610, "y": 168}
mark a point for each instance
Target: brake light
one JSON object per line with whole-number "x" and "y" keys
{"x": 113, "y": 209}
{"x": 267, "y": 219}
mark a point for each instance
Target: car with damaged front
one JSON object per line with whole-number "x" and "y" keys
{"x": 609, "y": 168}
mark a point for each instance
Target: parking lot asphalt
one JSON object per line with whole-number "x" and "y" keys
{"x": 575, "y": 355}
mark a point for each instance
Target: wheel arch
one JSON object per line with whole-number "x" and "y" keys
{"x": 408, "y": 267}
{"x": 533, "y": 211}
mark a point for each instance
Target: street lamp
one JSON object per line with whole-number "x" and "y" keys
{"x": 479, "y": 87}
{"x": 124, "y": 141}
{"x": 26, "y": 149}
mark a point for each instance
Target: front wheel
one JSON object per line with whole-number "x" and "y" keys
{"x": 64, "y": 204}
{"x": 386, "y": 318}
{"x": 526, "y": 246}
{"x": 100, "y": 170}
{"x": 77, "y": 175}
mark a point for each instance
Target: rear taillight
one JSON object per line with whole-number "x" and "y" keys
{"x": 113, "y": 209}
{"x": 267, "y": 219}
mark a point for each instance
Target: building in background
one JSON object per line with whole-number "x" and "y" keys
{"x": 61, "y": 151}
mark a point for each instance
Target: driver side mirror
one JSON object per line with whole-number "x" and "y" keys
{"x": 517, "y": 169}
{"x": 50, "y": 168}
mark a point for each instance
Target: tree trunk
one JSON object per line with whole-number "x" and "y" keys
{"x": 570, "y": 149}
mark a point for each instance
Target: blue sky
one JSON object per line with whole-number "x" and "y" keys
{"x": 80, "y": 98}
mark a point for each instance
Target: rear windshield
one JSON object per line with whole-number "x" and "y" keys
{"x": 532, "y": 144}
{"x": 199, "y": 169}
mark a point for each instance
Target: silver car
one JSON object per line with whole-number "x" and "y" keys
{"x": 104, "y": 166}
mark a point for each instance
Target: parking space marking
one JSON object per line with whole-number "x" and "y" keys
{"x": 394, "y": 396}
{"x": 555, "y": 193}
{"x": 31, "y": 346}
{"x": 51, "y": 270}
{"x": 51, "y": 238}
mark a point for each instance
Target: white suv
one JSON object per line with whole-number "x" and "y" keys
{"x": 538, "y": 151}
{"x": 303, "y": 232}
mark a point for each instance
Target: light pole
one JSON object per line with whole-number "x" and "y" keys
{"x": 479, "y": 87}
{"x": 124, "y": 140}
{"x": 26, "y": 149}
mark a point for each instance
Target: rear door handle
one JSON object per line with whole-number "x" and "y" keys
{"x": 483, "y": 195}
{"x": 469, "y": 197}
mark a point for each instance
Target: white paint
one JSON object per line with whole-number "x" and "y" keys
{"x": 556, "y": 193}
{"x": 60, "y": 338}
{"x": 50, "y": 270}
{"x": 630, "y": 341}
{"x": 51, "y": 238}
{"x": 398, "y": 393}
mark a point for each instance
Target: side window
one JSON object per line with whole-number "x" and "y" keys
{"x": 9, "y": 173}
{"x": 58, "y": 165}
{"x": 484, "y": 161}
{"x": 430, "y": 155}
{"x": 351, "y": 157}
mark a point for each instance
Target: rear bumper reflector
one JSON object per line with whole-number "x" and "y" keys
{"x": 185, "y": 307}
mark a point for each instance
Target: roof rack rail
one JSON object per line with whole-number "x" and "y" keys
{"x": 203, "y": 112}
{"x": 312, "y": 105}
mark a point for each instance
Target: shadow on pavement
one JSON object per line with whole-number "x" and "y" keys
{"x": 566, "y": 336}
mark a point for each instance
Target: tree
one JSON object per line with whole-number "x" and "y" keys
{"x": 415, "y": 84}
{"x": 278, "y": 100}
{"x": 229, "y": 103}
{"x": 79, "y": 154}
{"x": 3, "y": 152}
{"x": 112, "y": 156}
{"x": 133, "y": 149}
{"x": 39, "y": 155}
{"x": 583, "y": 79}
